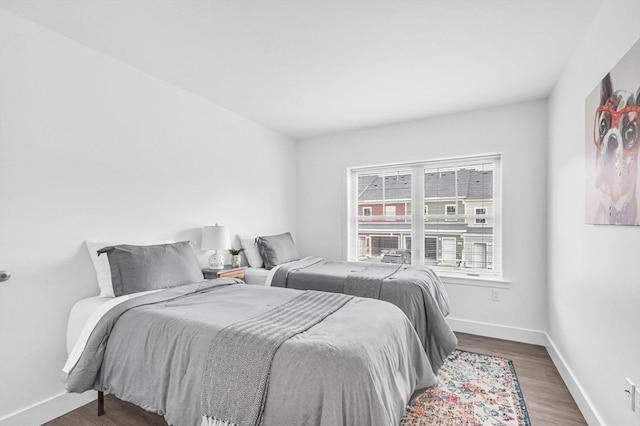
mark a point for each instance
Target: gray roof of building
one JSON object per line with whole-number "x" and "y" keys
{"x": 472, "y": 184}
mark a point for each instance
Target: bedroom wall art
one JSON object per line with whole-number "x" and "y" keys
{"x": 612, "y": 129}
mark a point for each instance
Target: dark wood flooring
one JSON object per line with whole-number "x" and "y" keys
{"x": 547, "y": 398}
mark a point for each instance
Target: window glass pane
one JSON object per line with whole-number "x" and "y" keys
{"x": 458, "y": 209}
{"x": 384, "y": 216}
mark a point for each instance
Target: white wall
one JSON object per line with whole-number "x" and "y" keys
{"x": 92, "y": 148}
{"x": 594, "y": 271}
{"x": 518, "y": 131}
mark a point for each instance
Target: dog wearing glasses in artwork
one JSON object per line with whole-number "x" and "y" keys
{"x": 617, "y": 138}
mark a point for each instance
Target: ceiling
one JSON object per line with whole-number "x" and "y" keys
{"x": 307, "y": 68}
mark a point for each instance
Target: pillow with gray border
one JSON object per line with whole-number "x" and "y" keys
{"x": 277, "y": 249}
{"x": 142, "y": 268}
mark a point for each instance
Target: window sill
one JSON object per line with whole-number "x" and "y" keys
{"x": 492, "y": 282}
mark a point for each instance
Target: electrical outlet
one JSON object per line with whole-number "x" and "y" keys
{"x": 495, "y": 295}
{"x": 631, "y": 395}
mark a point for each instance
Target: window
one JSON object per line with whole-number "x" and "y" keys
{"x": 381, "y": 245}
{"x": 430, "y": 250}
{"x": 451, "y": 205}
{"x": 450, "y": 210}
{"x": 390, "y": 212}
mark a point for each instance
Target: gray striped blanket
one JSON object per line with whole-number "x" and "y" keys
{"x": 368, "y": 282}
{"x": 236, "y": 374}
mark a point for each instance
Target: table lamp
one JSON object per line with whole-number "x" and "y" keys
{"x": 215, "y": 238}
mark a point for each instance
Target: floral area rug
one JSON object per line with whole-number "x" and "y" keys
{"x": 472, "y": 390}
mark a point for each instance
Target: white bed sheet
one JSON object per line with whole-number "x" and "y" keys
{"x": 83, "y": 318}
{"x": 256, "y": 276}
{"x": 269, "y": 273}
{"x": 79, "y": 315}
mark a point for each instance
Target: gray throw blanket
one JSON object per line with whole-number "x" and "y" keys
{"x": 367, "y": 283}
{"x": 236, "y": 375}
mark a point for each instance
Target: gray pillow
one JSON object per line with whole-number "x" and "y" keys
{"x": 277, "y": 249}
{"x": 142, "y": 268}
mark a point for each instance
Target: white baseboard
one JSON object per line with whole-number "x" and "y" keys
{"x": 48, "y": 409}
{"x": 587, "y": 409}
{"x": 523, "y": 335}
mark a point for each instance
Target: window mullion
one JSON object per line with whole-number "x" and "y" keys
{"x": 352, "y": 223}
{"x": 417, "y": 216}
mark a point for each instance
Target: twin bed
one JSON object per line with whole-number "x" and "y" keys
{"x": 220, "y": 352}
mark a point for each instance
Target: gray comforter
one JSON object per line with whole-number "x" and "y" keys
{"x": 417, "y": 291}
{"x": 358, "y": 366}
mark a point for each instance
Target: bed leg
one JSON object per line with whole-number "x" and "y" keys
{"x": 100, "y": 403}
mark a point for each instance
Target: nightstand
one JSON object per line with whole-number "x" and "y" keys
{"x": 227, "y": 272}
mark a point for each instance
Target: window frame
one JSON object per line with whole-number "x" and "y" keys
{"x": 420, "y": 210}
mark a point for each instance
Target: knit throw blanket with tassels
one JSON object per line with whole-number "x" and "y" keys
{"x": 234, "y": 384}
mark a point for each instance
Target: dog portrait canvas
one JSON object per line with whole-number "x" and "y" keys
{"x": 612, "y": 143}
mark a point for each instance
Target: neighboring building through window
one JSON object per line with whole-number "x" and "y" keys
{"x": 453, "y": 206}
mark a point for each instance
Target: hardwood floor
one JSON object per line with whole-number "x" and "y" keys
{"x": 547, "y": 398}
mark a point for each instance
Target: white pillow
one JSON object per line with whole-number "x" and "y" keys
{"x": 101, "y": 263}
{"x": 251, "y": 251}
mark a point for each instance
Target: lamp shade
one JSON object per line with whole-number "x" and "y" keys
{"x": 215, "y": 238}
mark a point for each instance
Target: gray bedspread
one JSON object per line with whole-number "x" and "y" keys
{"x": 238, "y": 364}
{"x": 417, "y": 291}
{"x": 358, "y": 366}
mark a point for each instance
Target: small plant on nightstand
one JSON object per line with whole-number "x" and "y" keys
{"x": 235, "y": 257}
